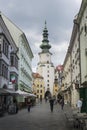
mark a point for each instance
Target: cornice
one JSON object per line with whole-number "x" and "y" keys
{"x": 82, "y": 9}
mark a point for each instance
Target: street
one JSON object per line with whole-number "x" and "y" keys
{"x": 39, "y": 118}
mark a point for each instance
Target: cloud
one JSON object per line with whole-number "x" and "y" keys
{"x": 30, "y": 15}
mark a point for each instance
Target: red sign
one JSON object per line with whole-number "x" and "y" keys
{"x": 59, "y": 68}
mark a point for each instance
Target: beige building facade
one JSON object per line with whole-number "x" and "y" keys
{"x": 75, "y": 64}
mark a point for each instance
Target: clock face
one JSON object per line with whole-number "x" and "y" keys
{"x": 47, "y": 55}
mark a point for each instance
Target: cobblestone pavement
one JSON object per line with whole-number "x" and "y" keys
{"x": 39, "y": 118}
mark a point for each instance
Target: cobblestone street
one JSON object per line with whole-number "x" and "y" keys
{"x": 39, "y": 118}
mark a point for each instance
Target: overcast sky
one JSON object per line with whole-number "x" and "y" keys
{"x": 30, "y": 16}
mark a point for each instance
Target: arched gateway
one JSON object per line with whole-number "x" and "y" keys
{"x": 47, "y": 94}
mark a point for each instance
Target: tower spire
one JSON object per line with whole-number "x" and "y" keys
{"x": 45, "y": 46}
{"x": 45, "y": 23}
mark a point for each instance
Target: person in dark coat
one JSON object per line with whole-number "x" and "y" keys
{"x": 16, "y": 104}
{"x": 62, "y": 103}
{"x": 51, "y": 104}
{"x": 29, "y": 105}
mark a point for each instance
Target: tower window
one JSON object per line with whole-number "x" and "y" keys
{"x": 48, "y": 66}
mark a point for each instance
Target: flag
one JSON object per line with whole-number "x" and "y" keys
{"x": 13, "y": 78}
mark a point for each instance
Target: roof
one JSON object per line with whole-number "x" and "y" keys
{"x": 37, "y": 75}
{"x": 13, "y": 29}
{"x": 15, "y": 32}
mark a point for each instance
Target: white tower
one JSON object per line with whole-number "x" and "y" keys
{"x": 45, "y": 67}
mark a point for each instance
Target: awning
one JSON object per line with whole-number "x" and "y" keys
{"x": 6, "y": 91}
{"x": 22, "y": 93}
{"x": 32, "y": 95}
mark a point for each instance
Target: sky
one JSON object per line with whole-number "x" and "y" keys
{"x": 30, "y": 16}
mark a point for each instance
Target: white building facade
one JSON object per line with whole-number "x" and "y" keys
{"x": 25, "y": 56}
{"x": 25, "y": 66}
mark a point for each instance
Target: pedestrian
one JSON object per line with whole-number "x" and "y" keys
{"x": 29, "y": 105}
{"x": 62, "y": 103}
{"x": 79, "y": 105}
{"x": 15, "y": 104}
{"x": 51, "y": 100}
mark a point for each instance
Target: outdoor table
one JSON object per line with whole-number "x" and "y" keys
{"x": 80, "y": 120}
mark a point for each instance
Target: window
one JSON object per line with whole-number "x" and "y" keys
{"x": 0, "y": 43}
{"x": 37, "y": 91}
{"x": 37, "y": 85}
{"x": 41, "y": 86}
{"x": 3, "y": 70}
{"x": 7, "y": 50}
{"x": 3, "y": 46}
{"x": 0, "y": 67}
{"x": 85, "y": 29}
{"x": 0, "y": 48}
{"x": 12, "y": 60}
{"x": 7, "y": 73}
{"x": 40, "y": 91}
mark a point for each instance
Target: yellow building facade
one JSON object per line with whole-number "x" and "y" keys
{"x": 55, "y": 87}
{"x": 38, "y": 85}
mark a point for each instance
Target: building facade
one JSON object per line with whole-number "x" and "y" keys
{"x": 24, "y": 53}
{"x": 82, "y": 22}
{"x": 56, "y": 84}
{"x": 8, "y": 64}
{"x": 78, "y": 59}
{"x": 8, "y": 58}
{"x": 38, "y": 86}
{"x": 45, "y": 66}
{"x": 25, "y": 67}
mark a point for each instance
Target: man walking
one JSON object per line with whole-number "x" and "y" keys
{"x": 51, "y": 104}
{"x": 62, "y": 103}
